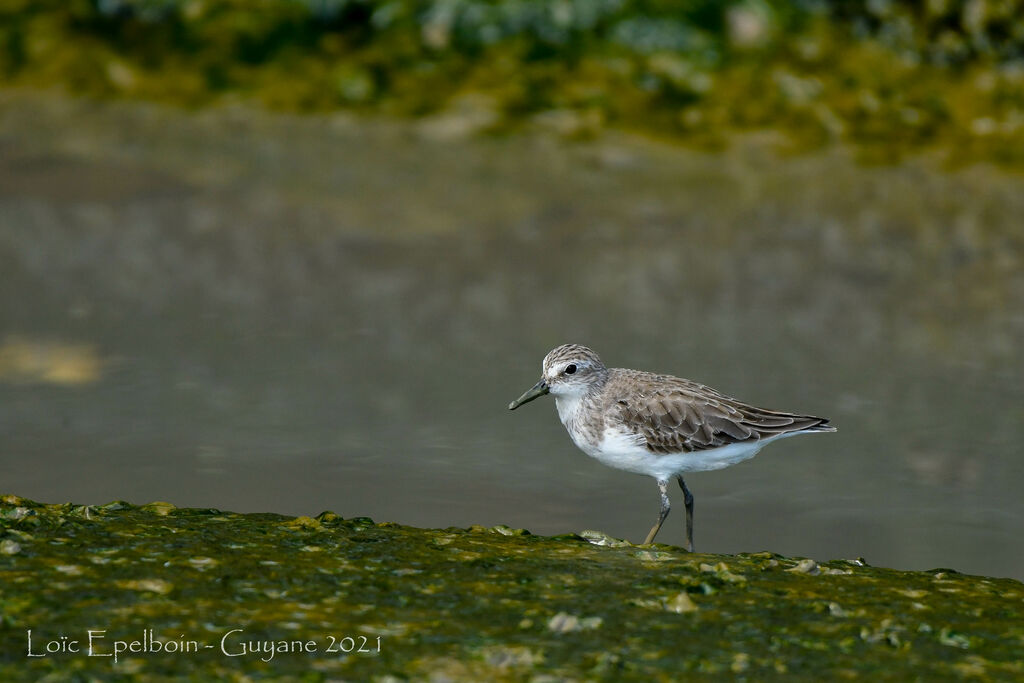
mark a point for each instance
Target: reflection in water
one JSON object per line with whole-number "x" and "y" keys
{"x": 31, "y": 361}
{"x": 306, "y": 314}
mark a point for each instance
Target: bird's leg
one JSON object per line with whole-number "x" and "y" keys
{"x": 662, "y": 513}
{"x": 688, "y": 501}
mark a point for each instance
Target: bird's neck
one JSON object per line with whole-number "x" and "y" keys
{"x": 574, "y": 409}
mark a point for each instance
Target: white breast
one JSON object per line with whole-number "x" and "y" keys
{"x": 569, "y": 412}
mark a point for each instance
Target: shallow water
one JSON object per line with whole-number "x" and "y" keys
{"x": 263, "y": 313}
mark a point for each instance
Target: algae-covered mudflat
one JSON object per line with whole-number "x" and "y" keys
{"x": 890, "y": 77}
{"x": 201, "y": 594}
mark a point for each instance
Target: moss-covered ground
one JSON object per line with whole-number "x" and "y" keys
{"x": 190, "y": 594}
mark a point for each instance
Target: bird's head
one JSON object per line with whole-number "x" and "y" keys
{"x": 566, "y": 370}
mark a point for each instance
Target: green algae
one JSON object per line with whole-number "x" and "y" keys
{"x": 322, "y": 598}
{"x": 891, "y": 77}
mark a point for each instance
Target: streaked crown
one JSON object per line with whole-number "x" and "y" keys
{"x": 571, "y": 364}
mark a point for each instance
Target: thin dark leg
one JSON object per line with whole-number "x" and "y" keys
{"x": 663, "y": 513}
{"x": 688, "y": 501}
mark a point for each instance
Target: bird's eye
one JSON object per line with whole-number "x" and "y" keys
{"x": 570, "y": 369}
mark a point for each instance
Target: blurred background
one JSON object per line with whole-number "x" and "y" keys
{"x": 301, "y": 257}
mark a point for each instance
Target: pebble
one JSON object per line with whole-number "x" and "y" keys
{"x": 681, "y": 604}
{"x": 809, "y": 567}
{"x": 837, "y": 572}
{"x": 147, "y": 585}
{"x": 160, "y": 507}
{"x": 566, "y": 623}
{"x": 17, "y": 513}
{"x": 721, "y": 570}
{"x": 202, "y": 563}
{"x": 601, "y": 538}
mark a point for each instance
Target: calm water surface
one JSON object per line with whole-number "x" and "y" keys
{"x": 259, "y": 313}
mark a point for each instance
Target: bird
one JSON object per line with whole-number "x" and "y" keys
{"x": 657, "y": 425}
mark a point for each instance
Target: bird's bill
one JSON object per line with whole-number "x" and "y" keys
{"x": 538, "y": 390}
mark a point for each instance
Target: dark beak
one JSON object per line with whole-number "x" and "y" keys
{"x": 538, "y": 390}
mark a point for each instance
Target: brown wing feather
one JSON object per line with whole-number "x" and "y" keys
{"x": 675, "y": 414}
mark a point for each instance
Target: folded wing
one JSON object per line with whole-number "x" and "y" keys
{"x": 685, "y": 416}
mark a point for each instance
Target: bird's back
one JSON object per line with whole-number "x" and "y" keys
{"x": 676, "y": 415}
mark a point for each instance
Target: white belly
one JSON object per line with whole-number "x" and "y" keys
{"x": 628, "y": 452}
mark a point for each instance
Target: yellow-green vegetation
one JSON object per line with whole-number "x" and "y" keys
{"x": 888, "y": 75}
{"x": 299, "y": 597}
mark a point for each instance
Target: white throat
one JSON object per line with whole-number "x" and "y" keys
{"x": 571, "y": 411}
{"x": 568, "y": 406}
